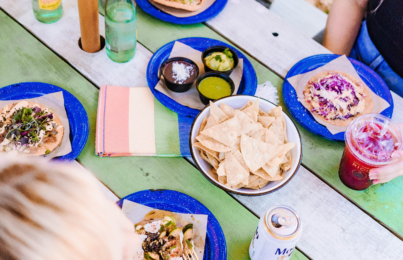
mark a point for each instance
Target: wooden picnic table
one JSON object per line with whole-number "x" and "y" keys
{"x": 338, "y": 223}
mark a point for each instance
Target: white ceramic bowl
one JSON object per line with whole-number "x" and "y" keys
{"x": 237, "y": 102}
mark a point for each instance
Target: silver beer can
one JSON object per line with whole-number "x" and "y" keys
{"x": 276, "y": 235}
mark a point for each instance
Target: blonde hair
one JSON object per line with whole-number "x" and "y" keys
{"x": 53, "y": 211}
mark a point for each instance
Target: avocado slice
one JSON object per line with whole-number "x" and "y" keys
{"x": 188, "y": 226}
{"x": 163, "y": 234}
{"x": 171, "y": 219}
{"x": 188, "y": 234}
{"x": 176, "y": 232}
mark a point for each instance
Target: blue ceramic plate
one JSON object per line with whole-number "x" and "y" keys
{"x": 78, "y": 118}
{"x": 209, "y": 13}
{"x": 301, "y": 114}
{"x": 216, "y": 247}
{"x": 247, "y": 86}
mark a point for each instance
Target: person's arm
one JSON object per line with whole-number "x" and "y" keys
{"x": 387, "y": 173}
{"x": 342, "y": 25}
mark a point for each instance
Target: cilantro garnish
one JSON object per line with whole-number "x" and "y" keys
{"x": 172, "y": 247}
{"x": 218, "y": 58}
{"x": 146, "y": 256}
{"x": 228, "y": 53}
{"x": 169, "y": 223}
{"x": 161, "y": 229}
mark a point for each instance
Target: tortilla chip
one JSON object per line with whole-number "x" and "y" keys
{"x": 235, "y": 172}
{"x": 211, "y": 121}
{"x": 266, "y": 121}
{"x": 277, "y": 129}
{"x": 276, "y": 112}
{"x": 270, "y": 138}
{"x": 203, "y": 155}
{"x": 221, "y": 156}
{"x": 260, "y": 182}
{"x": 260, "y": 135}
{"x": 271, "y": 172}
{"x": 247, "y": 125}
{"x": 285, "y": 130}
{"x": 199, "y": 146}
{"x": 213, "y": 161}
{"x": 262, "y": 113}
{"x": 256, "y": 153}
{"x": 226, "y": 132}
{"x": 212, "y": 144}
{"x": 238, "y": 156}
{"x": 253, "y": 110}
{"x": 247, "y": 105}
{"x": 237, "y": 145}
{"x": 202, "y": 125}
{"x": 221, "y": 169}
{"x": 287, "y": 166}
{"x": 217, "y": 112}
{"x": 264, "y": 175}
{"x": 283, "y": 149}
{"x": 222, "y": 180}
{"x": 229, "y": 111}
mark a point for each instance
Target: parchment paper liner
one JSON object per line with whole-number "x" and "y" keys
{"x": 191, "y": 98}
{"x": 136, "y": 213}
{"x": 179, "y": 12}
{"x": 55, "y": 101}
{"x": 299, "y": 82}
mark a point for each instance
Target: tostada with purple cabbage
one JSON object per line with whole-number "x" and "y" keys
{"x": 337, "y": 97}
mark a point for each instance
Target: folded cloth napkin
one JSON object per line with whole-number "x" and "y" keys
{"x": 131, "y": 122}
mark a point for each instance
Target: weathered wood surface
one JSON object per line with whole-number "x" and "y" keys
{"x": 23, "y": 58}
{"x": 169, "y": 32}
{"x": 245, "y": 21}
{"x": 300, "y": 14}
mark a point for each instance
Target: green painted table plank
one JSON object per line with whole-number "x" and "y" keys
{"x": 320, "y": 155}
{"x": 25, "y": 59}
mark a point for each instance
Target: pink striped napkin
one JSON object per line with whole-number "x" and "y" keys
{"x": 131, "y": 122}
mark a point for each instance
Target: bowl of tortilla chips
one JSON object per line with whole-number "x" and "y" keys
{"x": 245, "y": 145}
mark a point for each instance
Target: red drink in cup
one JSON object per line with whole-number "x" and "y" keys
{"x": 370, "y": 142}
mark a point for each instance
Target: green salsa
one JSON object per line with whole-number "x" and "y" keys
{"x": 214, "y": 87}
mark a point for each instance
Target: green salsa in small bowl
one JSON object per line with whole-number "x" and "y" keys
{"x": 214, "y": 85}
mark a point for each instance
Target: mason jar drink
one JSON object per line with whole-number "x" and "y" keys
{"x": 276, "y": 235}
{"x": 370, "y": 141}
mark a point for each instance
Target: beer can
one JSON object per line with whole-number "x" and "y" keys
{"x": 276, "y": 235}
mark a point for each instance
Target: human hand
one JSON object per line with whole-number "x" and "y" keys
{"x": 387, "y": 173}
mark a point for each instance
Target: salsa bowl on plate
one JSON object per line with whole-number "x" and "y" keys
{"x": 254, "y": 150}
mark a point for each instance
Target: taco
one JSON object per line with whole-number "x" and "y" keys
{"x": 189, "y": 5}
{"x": 164, "y": 236}
{"x": 337, "y": 97}
{"x": 29, "y": 129}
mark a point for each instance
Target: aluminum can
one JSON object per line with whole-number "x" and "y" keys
{"x": 276, "y": 235}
